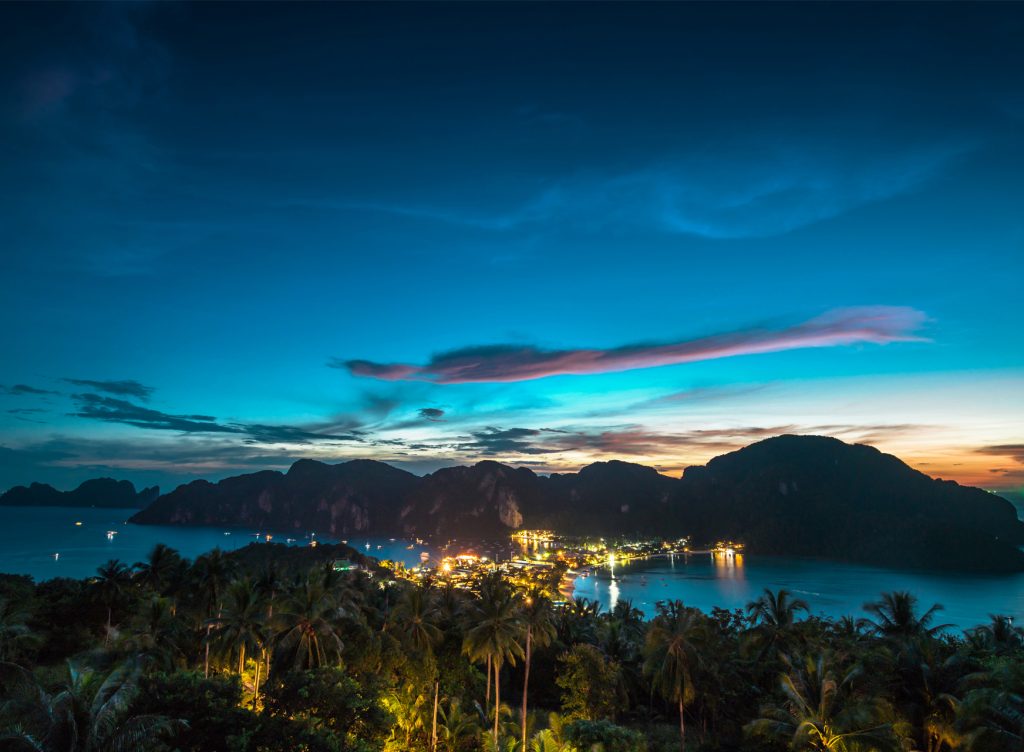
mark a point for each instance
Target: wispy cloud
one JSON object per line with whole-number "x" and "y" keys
{"x": 742, "y": 191}
{"x": 113, "y": 410}
{"x": 435, "y": 414}
{"x": 22, "y": 389}
{"x": 1013, "y": 451}
{"x": 492, "y": 441}
{"x": 123, "y": 388}
{"x": 505, "y": 363}
{"x": 285, "y": 434}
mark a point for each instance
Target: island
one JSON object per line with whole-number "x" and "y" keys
{"x": 98, "y": 492}
{"x": 809, "y": 496}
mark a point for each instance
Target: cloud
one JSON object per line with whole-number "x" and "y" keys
{"x": 1015, "y": 451}
{"x": 431, "y": 413}
{"x": 666, "y": 449}
{"x": 113, "y": 410}
{"x": 499, "y": 441}
{"x": 21, "y": 389}
{"x": 125, "y": 388}
{"x": 284, "y": 434}
{"x": 506, "y": 363}
{"x": 757, "y": 189}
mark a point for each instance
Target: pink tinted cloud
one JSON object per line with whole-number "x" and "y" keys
{"x": 505, "y": 363}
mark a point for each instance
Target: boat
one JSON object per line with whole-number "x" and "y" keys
{"x": 111, "y": 534}
{"x": 56, "y": 557}
{"x": 78, "y": 524}
{"x": 367, "y": 546}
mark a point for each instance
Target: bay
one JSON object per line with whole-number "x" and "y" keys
{"x": 46, "y": 542}
{"x": 830, "y": 588}
{"x": 31, "y": 536}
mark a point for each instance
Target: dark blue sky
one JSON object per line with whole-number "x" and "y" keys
{"x": 234, "y": 235}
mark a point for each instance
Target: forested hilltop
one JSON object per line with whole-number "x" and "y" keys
{"x": 795, "y": 495}
{"x": 270, "y": 649}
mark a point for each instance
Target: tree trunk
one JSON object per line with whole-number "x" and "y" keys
{"x": 206, "y": 660}
{"x": 526, "y": 682}
{"x": 256, "y": 683}
{"x": 106, "y": 638}
{"x": 433, "y": 725}
{"x": 487, "y": 702}
{"x": 497, "y": 702}
{"x": 682, "y": 727}
{"x": 241, "y": 659}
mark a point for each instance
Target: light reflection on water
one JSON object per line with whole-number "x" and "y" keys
{"x": 830, "y": 588}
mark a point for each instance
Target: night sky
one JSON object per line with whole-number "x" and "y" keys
{"x": 235, "y": 235}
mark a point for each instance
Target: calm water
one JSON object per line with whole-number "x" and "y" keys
{"x": 30, "y": 536}
{"x": 830, "y": 588}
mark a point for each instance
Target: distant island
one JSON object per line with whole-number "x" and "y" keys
{"x": 99, "y": 492}
{"x": 789, "y": 495}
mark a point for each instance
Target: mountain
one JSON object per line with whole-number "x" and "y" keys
{"x": 99, "y": 492}
{"x": 361, "y": 496}
{"x": 795, "y": 495}
{"x": 816, "y": 496}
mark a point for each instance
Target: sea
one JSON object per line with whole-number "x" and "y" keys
{"x": 47, "y": 542}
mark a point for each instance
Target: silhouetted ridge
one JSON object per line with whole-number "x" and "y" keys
{"x": 98, "y": 492}
{"x": 796, "y": 495}
{"x": 362, "y": 496}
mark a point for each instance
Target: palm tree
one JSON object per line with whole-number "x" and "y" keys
{"x": 577, "y": 622}
{"x": 416, "y": 617}
{"x": 999, "y": 635}
{"x": 991, "y": 715}
{"x": 539, "y": 624}
{"x": 551, "y": 739}
{"x": 307, "y": 635}
{"x": 822, "y": 713}
{"x": 406, "y": 705}
{"x": 91, "y": 714}
{"x": 268, "y": 585}
{"x": 111, "y": 585}
{"x": 494, "y": 636}
{"x": 457, "y": 729}
{"x": 896, "y": 618}
{"x": 774, "y": 616}
{"x": 241, "y": 626}
{"x": 776, "y": 610}
{"x": 929, "y": 680}
{"x": 671, "y": 655}
{"x": 158, "y": 571}
{"x": 629, "y": 618}
{"x": 157, "y": 633}
{"x": 213, "y": 571}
